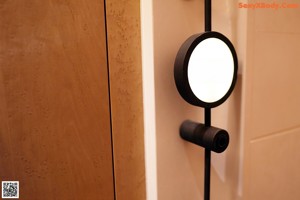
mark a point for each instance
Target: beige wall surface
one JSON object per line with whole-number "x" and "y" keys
{"x": 180, "y": 164}
{"x": 262, "y": 115}
{"x": 271, "y": 103}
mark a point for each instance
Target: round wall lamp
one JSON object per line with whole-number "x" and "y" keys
{"x": 205, "y": 69}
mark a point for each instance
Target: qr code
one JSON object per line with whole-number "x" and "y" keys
{"x": 10, "y": 189}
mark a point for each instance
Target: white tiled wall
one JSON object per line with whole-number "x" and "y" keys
{"x": 271, "y": 101}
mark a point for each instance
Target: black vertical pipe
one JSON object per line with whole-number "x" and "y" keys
{"x": 207, "y": 175}
{"x": 207, "y": 14}
{"x": 207, "y": 117}
{"x": 207, "y": 121}
{"x": 207, "y": 112}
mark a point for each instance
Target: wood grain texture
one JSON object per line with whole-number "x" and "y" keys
{"x": 124, "y": 47}
{"x": 54, "y": 114}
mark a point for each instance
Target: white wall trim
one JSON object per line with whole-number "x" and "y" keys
{"x": 149, "y": 98}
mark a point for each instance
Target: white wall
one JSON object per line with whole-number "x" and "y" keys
{"x": 149, "y": 99}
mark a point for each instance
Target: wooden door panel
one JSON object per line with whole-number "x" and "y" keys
{"x": 54, "y": 106}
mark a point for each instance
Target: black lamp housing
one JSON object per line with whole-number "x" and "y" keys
{"x": 181, "y": 68}
{"x": 209, "y": 137}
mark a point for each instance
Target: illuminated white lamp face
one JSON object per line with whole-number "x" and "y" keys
{"x": 210, "y": 70}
